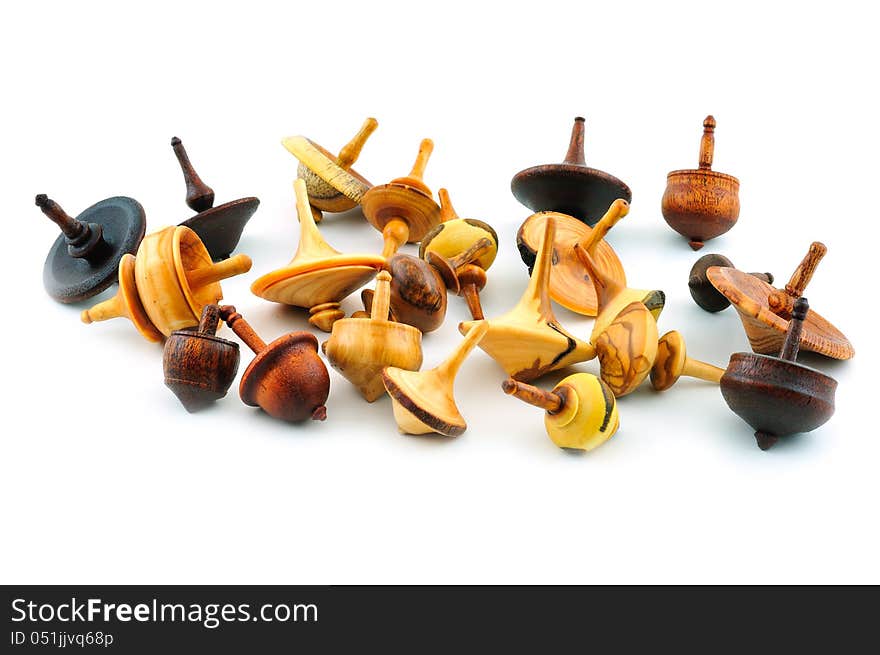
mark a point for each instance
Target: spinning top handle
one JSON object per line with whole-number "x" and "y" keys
{"x": 474, "y": 252}
{"x": 200, "y": 277}
{"x": 352, "y": 150}
{"x": 242, "y": 328}
{"x": 447, "y": 211}
{"x": 199, "y": 196}
{"x": 618, "y": 209}
{"x": 575, "y": 154}
{"x": 71, "y": 227}
{"x": 549, "y": 401}
{"x": 782, "y": 302}
{"x": 209, "y": 320}
{"x": 426, "y": 147}
{"x": 792, "y": 342}
{"x": 707, "y": 143}
{"x": 381, "y": 297}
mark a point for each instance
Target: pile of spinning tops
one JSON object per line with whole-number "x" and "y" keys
{"x": 169, "y": 288}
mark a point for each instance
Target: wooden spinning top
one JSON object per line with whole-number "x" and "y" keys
{"x": 672, "y": 362}
{"x": 570, "y": 187}
{"x": 173, "y": 279}
{"x": 580, "y": 412}
{"x": 218, "y": 227}
{"x": 625, "y": 332}
{"x": 776, "y": 395}
{"x": 570, "y": 283}
{"x": 332, "y": 184}
{"x": 318, "y": 277}
{"x": 418, "y": 293}
{"x": 286, "y": 379}
{"x": 461, "y": 249}
{"x": 403, "y": 210}
{"x": 361, "y": 348}
{"x": 701, "y": 204}
{"x": 423, "y": 401}
{"x": 704, "y": 292}
{"x": 84, "y": 260}
{"x": 200, "y": 366}
{"x": 765, "y": 310}
{"x": 528, "y": 341}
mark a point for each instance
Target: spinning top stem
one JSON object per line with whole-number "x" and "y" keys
{"x": 447, "y": 211}
{"x": 84, "y": 240}
{"x": 792, "y": 343}
{"x": 209, "y": 320}
{"x": 618, "y": 209}
{"x": 352, "y": 150}
{"x": 782, "y": 301}
{"x": 707, "y": 143}
{"x": 547, "y": 400}
{"x": 575, "y": 154}
{"x": 426, "y": 147}
{"x": 449, "y": 368}
{"x": 199, "y": 196}
{"x": 242, "y": 328}
{"x": 381, "y": 298}
{"x": 220, "y": 271}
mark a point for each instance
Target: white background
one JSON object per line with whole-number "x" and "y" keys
{"x": 105, "y": 478}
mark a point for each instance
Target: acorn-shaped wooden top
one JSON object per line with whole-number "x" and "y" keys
{"x": 579, "y": 413}
{"x": 570, "y": 187}
{"x": 764, "y": 310}
{"x": 701, "y": 204}
{"x": 418, "y": 293}
{"x": 200, "y": 366}
{"x": 286, "y": 379}
{"x": 404, "y": 209}
{"x": 570, "y": 283}
{"x": 423, "y": 401}
{"x": 776, "y": 395}
{"x": 672, "y": 361}
{"x": 528, "y": 341}
{"x": 360, "y": 348}
{"x": 218, "y": 227}
{"x": 332, "y": 184}
{"x": 317, "y": 274}
{"x": 84, "y": 260}
{"x": 703, "y": 291}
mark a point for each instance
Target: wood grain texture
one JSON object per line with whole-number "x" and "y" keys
{"x": 701, "y": 204}
{"x": 672, "y": 361}
{"x": 703, "y": 291}
{"x": 361, "y": 348}
{"x": 626, "y": 349}
{"x": 418, "y": 293}
{"x": 764, "y": 329}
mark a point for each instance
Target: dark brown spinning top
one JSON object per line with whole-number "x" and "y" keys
{"x": 200, "y": 366}
{"x": 286, "y": 379}
{"x": 218, "y": 227}
{"x": 571, "y": 187}
{"x": 704, "y": 292}
{"x": 776, "y": 395}
{"x": 418, "y": 293}
{"x": 85, "y": 257}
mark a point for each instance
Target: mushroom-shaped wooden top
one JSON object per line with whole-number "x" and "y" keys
{"x": 125, "y": 304}
{"x": 200, "y": 366}
{"x": 286, "y": 379}
{"x": 764, "y": 310}
{"x": 455, "y": 235}
{"x": 528, "y": 341}
{"x": 701, "y": 204}
{"x": 703, "y": 291}
{"x": 84, "y": 260}
{"x": 672, "y": 362}
{"x": 571, "y": 187}
{"x": 333, "y": 185}
{"x": 625, "y": 332}
{"x": 570, "y": 283}
{"x": 580, "y": 412}
{"x": 174, "y": 278}
{"x": 776, "y": 395}
{"x": 423, "y": 401}
{"x": 360, "y": 348}
{"x": 218, "y": 227}
{"x": 403, "y": 210}
{"x": 318, "y": 277}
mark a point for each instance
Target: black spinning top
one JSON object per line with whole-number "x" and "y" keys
{"x": 571, "y": 187}
{"x": 84, "y": 259}
{"x": 218, "y": 227}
